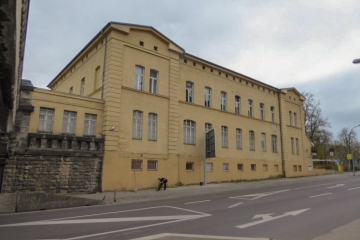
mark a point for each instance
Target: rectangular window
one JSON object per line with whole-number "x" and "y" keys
{"x": 295, "y": 120}
{"x": 152, "y": 126}
{"x": 240, "y": 167}
{"x": 295, "y": 168}
{"x": 82, "y": 87}
{"x": 299, "y": 168}
{"x": 152, "y": 165}
{"x": 224, "y": 136}
{"x": 290, "y": 118}
{"x": 274, "y": 143}
{"x": 207, "y": 93}
{"x": 189, "y": 166}
{"x": 69, "y": 122}
{"x": 297, "y": 146}
{"x": 276, "y": 168}
{"x": 153, "y": 81}
{"x": 137, "y": 125}
{"x": 90, "y": 124}
{"x": 209, "y": 167}
{"x": 272, "y": 111}
{"x": 136, "y": 165}
{"x": 225, "y": 167}
{"x": 237, "y": 104}
{"x": 189, "y": 92}
{"x": 253, "y": 167}
{"x": 71, "y": 90}
{"x": 292, "y": 146}
{"x": 46, "y": 118}
{"x": 208, "y": 127}
{"x": 265, "y": 167}
{"x": 139, "y": 78}
{"x": 223, "y": 101}
{"x": 250, "y": 108}
{"x": 189, "y": 132}
{"x": 238, "y": 138}
{"x": 98, "y": 79}
{"x": 263, "y": 142}
{"x": 262, "y": 114}
{"x": 252, "y": 140}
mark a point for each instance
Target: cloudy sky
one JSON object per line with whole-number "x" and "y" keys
{"x": 307, "y": 44}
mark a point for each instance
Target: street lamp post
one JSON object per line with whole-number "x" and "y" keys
{"x": 352, "y": 149}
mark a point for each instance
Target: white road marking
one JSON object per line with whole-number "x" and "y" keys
{"x": 103, "y": 220}
{"x": 267, "y": 217}
{"x": 258, "y": 195}
{"x": 320, "y": 195}
{"x": 337, "y": 185}
{"x": 197, "y": 202}
{"x": 353, "y": 188}
{"x": 235, "y": 205}
{"x": 322, "y": 185}
{"x": 187, "y": 236}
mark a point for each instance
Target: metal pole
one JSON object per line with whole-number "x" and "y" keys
{"x": 352, "y": 152}
{"x": 204, "y": 158}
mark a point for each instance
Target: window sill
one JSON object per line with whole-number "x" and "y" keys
{"x": 190, "y": 144}
{"x": 136, "y": 169}
{"x": 225, "y": 170}
{"x": 136, "y": 138}
{"x": 240, "y": 170}
{"x": 152, "y": 169}
{"x": 189, "y": 170}
{"x": 150, "y": 140}
{"x": 44, "y": 131}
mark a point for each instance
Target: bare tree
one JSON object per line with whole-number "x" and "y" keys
{"x": 315, "y": 122}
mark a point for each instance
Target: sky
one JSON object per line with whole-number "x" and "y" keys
{"x": 309, "y": 45}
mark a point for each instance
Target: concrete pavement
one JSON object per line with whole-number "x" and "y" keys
{"x": 349, "y": 231}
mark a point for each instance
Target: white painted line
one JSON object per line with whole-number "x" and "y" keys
{"x": 337, "y": 185}
{"x": 258, "y": 195}
{"x": 320, "y": 195}
{"x": 193, "y": 236}
{"x": 353, "y": 188}
{"x": 235, "y": 205}
{"x": 322, "y": 185}
{"x": 103, "y": 220}
{"x": 197, "y": 202}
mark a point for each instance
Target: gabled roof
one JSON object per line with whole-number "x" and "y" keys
{"x": 295, "y": 90}
{"x": 108, "y": 25}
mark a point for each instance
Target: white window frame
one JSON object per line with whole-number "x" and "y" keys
{"x": 274, "y": 143}
{"x": 238, "y": 138}
{"x": 262, "y": 112}
{"x": 90, "y": 124}
{"x": 189, "y": 132}
{"x": 272, "y": 110}
{"x": 137, "y": 124}
{"x": 154, "y": 75}
{"x": 208, "y": 127}
{"x": 207, "y": 96}
{"x": 189, "y": 92}
{"x": 223, "y": 101}
{"x": 226, "y": 167}
{"x": 224, "y": 136}
{"x": 152, "y": 126}
{"x": 252, "y": 140}
{"x": 250, "y": 108}
{"x": 237, "y": 104}
{"x": 263, "y": 142}
{"x": 69, "y": 122}
{"x": 209, "y": 167}
{"x": 297, "y": 146}
{"x": 139, "y": 77}
{"x": 46, "y": 119}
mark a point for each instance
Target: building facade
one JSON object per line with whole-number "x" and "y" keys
{"x": 139, "y": 104}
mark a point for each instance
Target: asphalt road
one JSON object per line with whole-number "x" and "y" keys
{"x": 297, "y": 209}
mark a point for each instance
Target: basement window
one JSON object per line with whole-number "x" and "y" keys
{"x": 136, "y": 164}
{"x": 190, "y": 166}
{"x": 253, "y": 167}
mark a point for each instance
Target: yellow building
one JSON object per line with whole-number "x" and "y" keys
{"x": 151, "y": 102}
